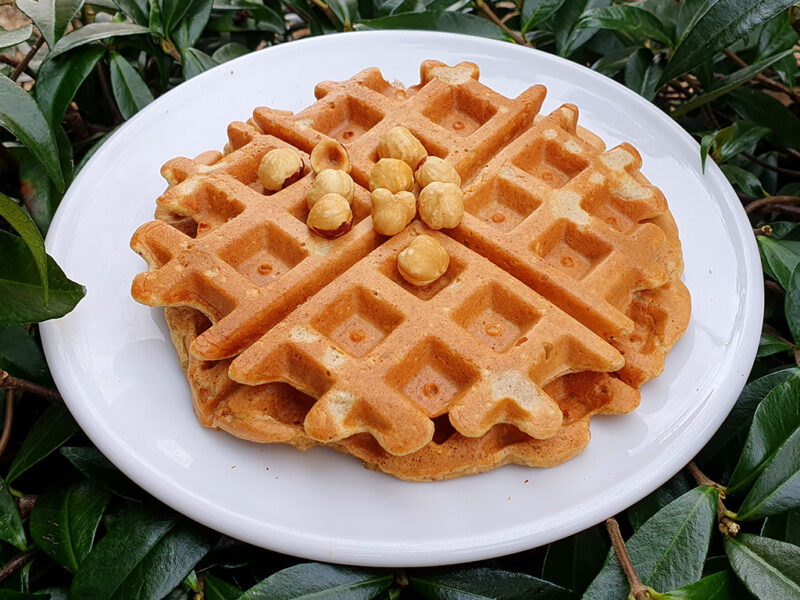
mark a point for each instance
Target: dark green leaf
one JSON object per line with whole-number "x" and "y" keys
{"x": 775, "y": 420}
{"x": 93, "y": 33}
{"x": 668, "y": 550}
{"x": 14, "y": 595}
{"x": 136, "y": 10}
{"x": 776, "y": 35}
{"x": 37, "y": 190}
{"x": 769, "y": 344}
{"x": 145, "y": 555}
{"x": 770, "y": 569}
{"x": 749, "y": 183}
{"x": 216, "y": 589}
{"x": 52, "y": 429}
{"x": 690, "y": 12}
{"x": 22, "y": 117}
{"x": 50, "y": 16}
{"x": 447, "y": 21}
{"x": 763, "y": 109}
{"x": 642, "y": 72}
{"x": 722, "y": 24}
{"x": 26, "y": 228}
{"x": 628, "y": 18}
{"x": 229, "y": 52}
{"x": 11, "y": 529}
{"x": 567, "y": 37}
{"x": 573, "y": 561}
{"x": 784, "y": 527}
{"x": 155, "y": 24}
{"x": 195, "y": 62}
{"x": 674, "y": 488}
{"x": 64, "y": 523}
{"x": 613, "y": 62}
{"x": 191, "y": 26}
{"x": 320, "y": 581}
{"x": 130, "y": 90}
{"x": 345, "y": 10}
{"x": 705, "y": 147}
{"x": 172, "y": 11}
{"x": 485, "y": 584}
{"x": 779, "y": 257}
{"x": 778, "y": 488}
{"x": 536, "y": 12}
{"x": 59, "y": 79}
{"x": 791, "y": 305}
{"x": 17, "y": 36}
{"x": 740, "y": 137}
{"x": 21, "y": 356}
{"x": 23, "y": 296}
{"x": 714, "y": 587}
{"x": 91, "y": 463}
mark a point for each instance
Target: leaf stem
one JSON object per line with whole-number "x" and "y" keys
{"x": 28, "y": 57}
{"x": 15, "y": 383}
{"x": 757, "y": 204}
{"x": 638, "y": 589}
{"x": 12, "y": 61}
{"x": 489, "y": 14}
{"x": 766, "y": 165}
{"x": 725, "y": 518}
{"x": 16, "y": 563}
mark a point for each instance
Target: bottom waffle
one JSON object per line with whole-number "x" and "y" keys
{"x": 275, "y": 413}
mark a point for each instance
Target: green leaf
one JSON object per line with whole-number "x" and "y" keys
{"x": 722, "y": 24}
{"x": 172, "y": 11}
{"x": 50, "y": 16}
{"x": 155, "y": 25}
{"x": 775, "y": 420}
{"x": 668, "y": 550}
{"x": 778, "y": 488}
{"x": 17, "y": 36}
{"x": 763, "y": 109}
{"x": 345, "y": 10}
{"x": 37, "y": 190}
{"x": 22, "y": 293}
{"x": 749, "y": 183}
{"x": 485, "y": 584}
{"x": 22, "y": 117}
{"x": 779, "y": 257}
{"x": 740, "y": 137}
{"x": 674, "y": 488}
{"x": 642, "y": 72}
{"x": 705, "y": 146}
{"x": 21, "y": 356}
{"x": 26, "y": 228}
{"x": 629, "y": 19}
{"x": 94, "y": 32}
{"x": 567, "y": 36}
{"x": 188, "y": 31}
{"x": 769, "y": 345}
{"x": 690, "y": 12}
{"x": 770, "y": 569}
{"x": 130, "y": 90}
{"x": 612, "y": 63}
{"x": 229, "y": 52}
{"x": 714, "y": 587}
{"x": 58, "y": 80}
{"x": 727, "y": 84}
{"x": 217, "y": 589}
{"x": 64, "y": 523}
{"x": 320, "y": 581}
{"x": 791, "y": 305}
{"x": 784, "y": 527}
{"x": 573, "y": 561}
{"x": 11, "y": 529}
{"x": 136, "y": 10}
{"x": 446, "y": 21}
{"x": 91, "y": 463}
{"x": 146, "y": 554}
{"x": 536, "y": 12}
{"x": 13, "y": 595}
{"x": 52, "y": 429}
{"x": 196, "y": 62}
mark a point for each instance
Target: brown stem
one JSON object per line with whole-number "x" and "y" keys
{"x": 28, "y": 57}
{"x": 757, "y": 204}
{"x": 638, "y": 589}
{"x": 12, "y": 61}
{"x": 727, "y": 526}
{"x": 112, "y": 105}
{"x": 8, "y": 421}
{"x": 489, "y": 14}
{"x": 16, "y": 563}
{"x": 773, "y": 287}
{"x": 25, "y": 504}
{"x": 770, "y": 167}
{"x": 762, "y": 78}
{"x": 15, "y": 383}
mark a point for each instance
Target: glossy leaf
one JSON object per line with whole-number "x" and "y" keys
{"x": 14, "y": 37}
{"x": 50, "y": 431}
{"x": 778, "y": 488}
{"x": 484, "y": 584}
{"x": 321, "y": 582}
{"x": 446, "y": 21}
{"x": 145, "y": 555}
{"x": 642, "y": 73}
{"x": 536, "y": 12}
{"x": 195, "y": 62}
{"x": 791, "y": 305}
{"x": 94, "y": 32}
{"x": 135, "y": 10}
{"x": 573, "y": 562}
{"x": 154, "y": 23}
{"x": 567, "y": 36}
{"x": 130, "y": 90}
{"x": 21, "y": 356}
{"x": 172, "y": 11}
{"x": 714, "y": 587}
{"x": 91, "y": 463}
{"x": 59, "y": 79}
{"x": 229, "y": 52}
{"x": 740, "y": 137}
{"x": 26, "y": 228}
{"x": 345, "y": 10}
{"x": 217, "y": 589}
{"x": 776, "y": 419}
{"x": 749, "y": 183}
{"x": 22, "y": 293}
{"x": 769, "y": 344}
{"x": 20, "y": 115}
{"x": 780, "y": 258}
{"x": 722, "y": 24}
{"x": 629, "y": 19}
{"x": 667, "y": 551}
{"x": 64, "y": 523}
{"x": 188, "y": 30}
{"x": 770, "y": 569}
{"x": 38, "y": 192}
{"x": 674, "y": 488}
{"x": 758, "y": 107}
{"x": 50, "y": 16}
{"x": 784, "y": 527}
{"x": 11, "y": 529}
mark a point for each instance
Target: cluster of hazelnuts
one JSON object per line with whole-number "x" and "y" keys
{"x": 402, "y": 161}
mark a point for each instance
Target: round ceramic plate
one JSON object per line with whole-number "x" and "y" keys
{"x": 114, "y": 363}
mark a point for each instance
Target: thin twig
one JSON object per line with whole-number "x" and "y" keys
{"x": 773, "y": 287}
{"x": 489, "y": 14}
{"x": 757, "y": 204}
{"x": 16, "y": 563}
{"x": 13, "y": 61}
{"x": 112, "y": 105}
{"x": 23, "y": 64}
{"x": 726, "y": 524}
{"x": 638, "y": 589}
{"x": 8, "y": 421}
{"x": 15, "y": 383}
{"x": 770, "y": 167}
{"x": 762, "y": 78}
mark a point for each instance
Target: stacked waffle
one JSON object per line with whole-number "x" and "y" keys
{"x": 561, "y": 298}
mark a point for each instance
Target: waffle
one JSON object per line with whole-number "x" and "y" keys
{"x": 566, "y": 261}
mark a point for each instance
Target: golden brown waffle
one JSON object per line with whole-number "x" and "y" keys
{"x": 552, "y": 221}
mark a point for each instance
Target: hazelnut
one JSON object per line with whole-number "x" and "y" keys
{"x": 400, "y": 143}
{"x": 279, "y": 167}
{"x": 330, "y": 216}
{"x": 423, "y": 261}
{"x": 433, "y": 168}
{"x": 330, "y": 154}
{"x": 392, "y": 212}
{"x": 392, "y": 174}
{"x": 441, "y": 205}
{"x": 330, "y": 181}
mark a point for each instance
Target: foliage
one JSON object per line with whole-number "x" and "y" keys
{"x": 73, "y": 527}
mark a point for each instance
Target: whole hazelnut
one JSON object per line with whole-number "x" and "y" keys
{"x": 278, "y": 168}
{"x": 423, "y": 261}
{"x": 433, "y": 168}
{"x": 330, "y": 216}
{"x": 441, "y": 205}
{"x": 392, "y": 212}
{"x": 400, "y": 143}
{"x": 392, "y": 174}
{"x": 330, "y": 181}
{"x": 330, "y": 154}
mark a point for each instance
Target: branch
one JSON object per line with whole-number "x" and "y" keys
{"x": 757, "y": 204}
{"x": 15, "y": 383}
{"x": 28, "y": 57}
{"x": 12, "y": 61}
{"x": 762, "y": 78}
{"x": 16, "y": 563}
{"x": 8, "y": 421}
{"x": 770, "y": 167}
{"x": 489, "y": 14}
{"x": 638, "y": 590}
{"x": 727, "y": 526}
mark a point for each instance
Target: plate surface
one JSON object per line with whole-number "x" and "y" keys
{"x": 114, "y": 363}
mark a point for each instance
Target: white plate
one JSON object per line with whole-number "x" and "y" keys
{"x": 114, "y": 364}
